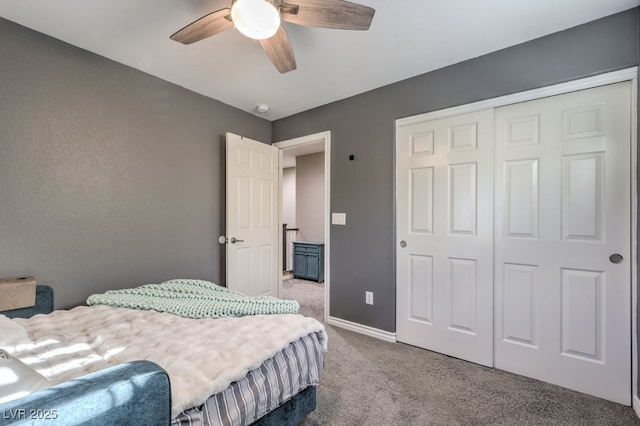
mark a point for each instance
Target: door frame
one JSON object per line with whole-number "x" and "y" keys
{"x": 326, "y": 138}
{"x": 628, "y": 74}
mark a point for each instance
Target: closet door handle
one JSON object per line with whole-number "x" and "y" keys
{"x": 235, "y": 240}
{"x": 616, "y": 258}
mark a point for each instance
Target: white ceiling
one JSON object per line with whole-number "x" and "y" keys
{"x": 289, "y": 154}
{"x": 406, "y": 38}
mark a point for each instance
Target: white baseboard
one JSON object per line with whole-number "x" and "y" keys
{"x": 636, "y": 405}
{"x": 363, "y": 329}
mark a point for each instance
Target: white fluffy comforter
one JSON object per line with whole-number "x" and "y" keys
{"x": 202, "y": 356}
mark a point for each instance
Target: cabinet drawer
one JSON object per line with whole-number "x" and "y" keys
{"x": 305, "y": 249}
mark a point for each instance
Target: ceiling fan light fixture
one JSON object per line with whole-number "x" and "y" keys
{"x": 256, "y": 19}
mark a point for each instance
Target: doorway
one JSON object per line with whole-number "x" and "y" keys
{"x": 304, "y": 216}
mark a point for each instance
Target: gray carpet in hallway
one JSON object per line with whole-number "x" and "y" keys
{"x": 367, "y": 381}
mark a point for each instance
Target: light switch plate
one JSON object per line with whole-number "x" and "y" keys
{"x": 338, "y": 218}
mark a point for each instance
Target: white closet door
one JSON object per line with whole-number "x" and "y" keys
{"x": 445, "y": 234}
{"x": 562, "y": 209}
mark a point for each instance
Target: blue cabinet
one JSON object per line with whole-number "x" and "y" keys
{"x": 308, "y": 261}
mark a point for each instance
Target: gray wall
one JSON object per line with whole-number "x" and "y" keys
{"x": 108, "y": 177}
{"x": 363, "y": 251}
{"x": 310, "y": 197}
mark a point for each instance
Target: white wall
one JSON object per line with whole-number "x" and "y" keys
{"x": 310, "y": 197}
{"x": 289, "y": 197}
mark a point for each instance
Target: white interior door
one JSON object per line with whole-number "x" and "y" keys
{"x": 562, "y": 209}
{"x": 252, "y": 217}
{"x": 445, "y": 236}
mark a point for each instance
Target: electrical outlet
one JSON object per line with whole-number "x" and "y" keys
{"x": 368, "y": 297}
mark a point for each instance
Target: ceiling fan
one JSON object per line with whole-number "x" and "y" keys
{"x": 261, "y": 20}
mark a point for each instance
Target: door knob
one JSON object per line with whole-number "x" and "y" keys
{"x": 224, "y": 240}
{"x": 403, "y": 243}
{"x": 616, "y": 258}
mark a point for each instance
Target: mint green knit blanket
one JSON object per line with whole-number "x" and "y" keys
{"x": 193, "y": 299}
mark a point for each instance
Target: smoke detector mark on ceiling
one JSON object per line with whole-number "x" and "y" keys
{"x": 263, "y": 109}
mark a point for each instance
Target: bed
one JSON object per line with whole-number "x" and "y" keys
{"x": 260, "y": 368}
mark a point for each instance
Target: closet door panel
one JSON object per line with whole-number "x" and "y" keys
{"x": 562, "y": 208}
{"x": 445, "y": 231}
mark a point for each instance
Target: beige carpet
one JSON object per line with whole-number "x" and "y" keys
{"x": 309, "y": 294}
{"x": 367, "y": 381}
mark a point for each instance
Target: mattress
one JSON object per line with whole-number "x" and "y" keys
{"x": 203, "y": 357}
{"x": 263, "y": 389}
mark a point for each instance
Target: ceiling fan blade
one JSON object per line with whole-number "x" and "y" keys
{"x": 207, "y": 26}
{"x": 279, "y": 51}
{"x": 334, "y": 14}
